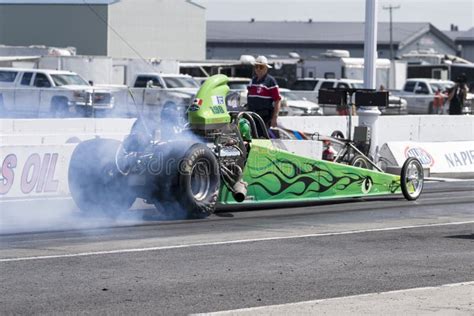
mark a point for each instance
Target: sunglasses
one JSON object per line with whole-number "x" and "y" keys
{"x": 259, "y": 67}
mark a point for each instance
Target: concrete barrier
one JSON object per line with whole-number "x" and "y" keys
{"x": 67, "y": 125}
{"x": 421, "y": 128}
{"x": 51, "y": 139}
{"x": 60, "y": 131}
{"x": 418, "y": 128}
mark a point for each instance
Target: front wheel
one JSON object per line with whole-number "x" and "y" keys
{"x": 412, "y": 179}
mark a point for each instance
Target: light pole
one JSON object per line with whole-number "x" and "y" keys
{"x": 390, "y": 8}
{"x": 370, "y": 43}
{"x": 368, "y": 115}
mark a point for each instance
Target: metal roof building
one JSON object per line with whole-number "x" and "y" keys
{"x": 171, "y": 29}
{"x": 232, "y": 39}
{"x": 465, "y": 42}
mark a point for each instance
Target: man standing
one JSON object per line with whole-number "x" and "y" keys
{"x": 263, "y": 95}
{"x": 457, "y": 95}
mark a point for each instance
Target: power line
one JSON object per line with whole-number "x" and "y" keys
{"x": 390, "y": 8}
{"x": 115, "y": 32}
{"x": 139, "y": 111}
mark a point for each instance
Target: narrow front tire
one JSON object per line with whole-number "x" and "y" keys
{"x": 412, "y": 179}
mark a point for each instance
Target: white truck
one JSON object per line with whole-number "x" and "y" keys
{"x": 166, "y": 90}
{"x": 420, "y": 94}
{"x": 50, "y": 93}
{"x": 159, "y": 96}
{"x": 166, "y": 81}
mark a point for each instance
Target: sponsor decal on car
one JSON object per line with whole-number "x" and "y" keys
{"x": 367, "y": 185}
{"x": 195, "y": 106}
{"x": 218, "y": 100}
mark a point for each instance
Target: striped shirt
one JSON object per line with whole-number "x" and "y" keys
{"x": 262, "y": 93}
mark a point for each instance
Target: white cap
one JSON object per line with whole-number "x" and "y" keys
{"x": 262, "y": 60}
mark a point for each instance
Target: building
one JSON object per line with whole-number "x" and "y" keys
{"x": 464, "y": 41}
{"x": 166, "y": 29}
{"x": 229, "y": 40}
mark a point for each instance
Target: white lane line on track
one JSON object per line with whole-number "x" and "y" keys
{"x": 279, "y": 309}
{"x": 228, "y": 242}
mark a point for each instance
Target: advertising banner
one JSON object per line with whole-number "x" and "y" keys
{"x": 34, "y": 171}
{"x": 440, "y": 157}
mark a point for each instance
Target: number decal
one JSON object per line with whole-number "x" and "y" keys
{"x": 217, "y": 109}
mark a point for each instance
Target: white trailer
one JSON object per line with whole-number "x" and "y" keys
{"x": 97, "y": 69}
{"x": 104, "y": 70}
{"x": 339, "y": 65}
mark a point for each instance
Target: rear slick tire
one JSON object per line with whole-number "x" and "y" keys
{"x": 198, "y": 182}
{"x": 96, "y": 186}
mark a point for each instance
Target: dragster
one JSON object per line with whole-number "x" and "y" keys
{"x": 219, "y": 158}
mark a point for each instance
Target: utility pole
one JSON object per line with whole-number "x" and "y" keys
{"x": 368, "y": 115}
{"x": 390, "y": 8}
{"x": 370, "y": 43}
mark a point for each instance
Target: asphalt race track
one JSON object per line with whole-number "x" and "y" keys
{"x": 243, "y": 259}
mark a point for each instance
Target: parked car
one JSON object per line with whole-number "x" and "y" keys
{"x": 396, "y": 106}
{"x": 45, "y": 92}
{"x": 309, "y": 88}
{"x": 420, "y": 93}
{"x": 296, "y": 105}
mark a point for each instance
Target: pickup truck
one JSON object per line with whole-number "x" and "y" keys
{"x": 50, "y": 93}
{"x": 309, "y": 88}
{"x": 175, "y": 82}
{"x": 420, "y": 93}
{"x": 163, "y": 97}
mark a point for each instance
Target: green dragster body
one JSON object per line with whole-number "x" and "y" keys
{"x": 275, "y": 175}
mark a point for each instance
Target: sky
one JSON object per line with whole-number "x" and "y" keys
{"x": 441, "y": 13}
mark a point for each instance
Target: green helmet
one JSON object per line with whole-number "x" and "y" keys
{"x": 244, "y": 127}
